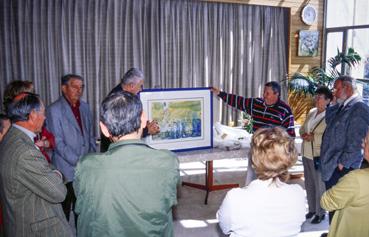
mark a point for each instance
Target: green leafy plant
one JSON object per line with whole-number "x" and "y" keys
{"x": 317, "y": 76}
{"x": 247, "y": 122}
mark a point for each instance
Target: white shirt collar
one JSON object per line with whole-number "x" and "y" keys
{"x": 350, "y": 99}
{"x": 29, "y": 133}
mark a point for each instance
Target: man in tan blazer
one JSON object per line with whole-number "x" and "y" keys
{"x": 30, "y": 190}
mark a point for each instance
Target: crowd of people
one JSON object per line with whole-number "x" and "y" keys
{"x": 50, "y": 170}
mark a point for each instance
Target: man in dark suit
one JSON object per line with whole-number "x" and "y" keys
{"x": 132, "y": 82}
{"x": 69, "y": 119}
{"x": 347, "y": 125}
{"x": 30, "y": 190}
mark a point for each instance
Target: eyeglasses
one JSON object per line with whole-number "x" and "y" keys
{"x": 317, "y": 97}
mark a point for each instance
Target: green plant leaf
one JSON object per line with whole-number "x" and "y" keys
{"x": 307, "y": 84}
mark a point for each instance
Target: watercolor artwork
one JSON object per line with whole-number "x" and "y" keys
{"x": 184, "y": 117}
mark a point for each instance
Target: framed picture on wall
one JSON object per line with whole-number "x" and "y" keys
{"x": 308, "y": 43}
{"x": 184, "y": 116}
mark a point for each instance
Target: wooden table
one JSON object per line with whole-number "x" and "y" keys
{"x": 209, "y": 155}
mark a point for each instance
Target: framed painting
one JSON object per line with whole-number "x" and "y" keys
{"x": 184, "y": 115}
{"x": 308, "y": 43}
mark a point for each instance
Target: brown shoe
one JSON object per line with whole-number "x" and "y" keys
{"x": 324, "y": 235}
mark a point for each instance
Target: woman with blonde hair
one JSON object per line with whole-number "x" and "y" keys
{"x": 268, "y": 206}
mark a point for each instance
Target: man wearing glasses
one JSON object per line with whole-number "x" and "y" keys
{"x": 347, "y": 125}
{"x": 132, "y": 81}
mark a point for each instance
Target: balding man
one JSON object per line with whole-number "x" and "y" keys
{"x": 132, "y": 82}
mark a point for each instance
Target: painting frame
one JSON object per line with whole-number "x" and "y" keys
{"x": 185, "y": 117}
{"x": 308, "y": 43}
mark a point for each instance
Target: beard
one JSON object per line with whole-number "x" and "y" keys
{"x": 342, "y": 98}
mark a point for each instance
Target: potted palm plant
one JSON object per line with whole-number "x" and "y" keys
{"x": 302, "y": 87}
{"x": 308, "y": 83}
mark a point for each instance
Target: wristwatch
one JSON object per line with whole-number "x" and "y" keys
{"x": 308, "y": 14}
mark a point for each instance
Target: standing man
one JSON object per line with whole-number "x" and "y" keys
{"x": 70, "y": 120}
{"x": 267, "y": 111}
{"x": 31, "y": 192}
{"x": 347, "y": 125}
{"x": 132, "y": 81}
{"x": 131, "y": 189}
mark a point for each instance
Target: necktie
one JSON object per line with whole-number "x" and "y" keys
{"x": 340, "y": 108}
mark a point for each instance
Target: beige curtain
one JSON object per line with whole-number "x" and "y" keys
{"x": 178, "y": 43}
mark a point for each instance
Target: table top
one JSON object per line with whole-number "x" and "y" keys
{"x": 211, "y": 154}
{"x": 219, "y": 154}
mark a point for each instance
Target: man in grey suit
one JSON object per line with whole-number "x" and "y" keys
{"x": 70, "y": 120}
{"x": 31, "y": 192}
{"x": 347, "y": 125}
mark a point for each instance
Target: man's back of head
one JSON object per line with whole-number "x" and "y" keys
{"x": 121, "y": 114}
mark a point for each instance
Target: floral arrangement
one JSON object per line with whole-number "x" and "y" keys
{"x": 247, "y": 122}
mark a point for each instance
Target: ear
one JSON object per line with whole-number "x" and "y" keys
{"x": 64, "y": 88}
{"x": 32, "y": 116}
{"x": 143, "y": 120}
{"x": 104, "y": 129}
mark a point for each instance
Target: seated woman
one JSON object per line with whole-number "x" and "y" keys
{"x": 267, "y": 206}
{"x": 349, "y": 198}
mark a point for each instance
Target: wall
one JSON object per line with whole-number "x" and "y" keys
{"x": 299, "y": 104}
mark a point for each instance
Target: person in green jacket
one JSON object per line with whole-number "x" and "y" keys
{"x": 130, "y": 189}
{"x": 349, "y": 198}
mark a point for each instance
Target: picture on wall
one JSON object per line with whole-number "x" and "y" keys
{"x": 308, "y": 43}
{"x": 184, "y": 116}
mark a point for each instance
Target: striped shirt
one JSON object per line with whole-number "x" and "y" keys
{"x": 279, "y": 114}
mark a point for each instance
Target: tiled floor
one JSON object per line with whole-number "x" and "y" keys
{"x": 194, "y": 218}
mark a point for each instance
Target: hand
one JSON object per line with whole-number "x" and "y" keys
{"x": 308, "y": 137}
{"x": 340, "y": 166}
{"x": 153, "y": 127}
{"x": 43, "y": 142}
{"x": 216, "y": 91}
{"x": 58, "y": 173}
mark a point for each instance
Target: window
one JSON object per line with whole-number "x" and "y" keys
{"x": 359, "y": 40}
{"x": 347, "y": 13}
{"x": 347, "y": 25}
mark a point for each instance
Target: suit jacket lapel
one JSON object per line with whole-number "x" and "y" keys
{"x": 350, "y": 104}
{"x": 67, "y": 111}
{"x": 84, "y": 117}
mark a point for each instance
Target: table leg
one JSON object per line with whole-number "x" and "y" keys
{"x": 209, "y": 182}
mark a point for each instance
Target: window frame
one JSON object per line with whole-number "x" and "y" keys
{"x": 344, "y": 30}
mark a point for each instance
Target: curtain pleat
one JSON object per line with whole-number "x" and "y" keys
{"x": 177, "y": 43}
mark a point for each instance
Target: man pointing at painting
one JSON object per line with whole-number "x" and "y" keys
{"x": 267, "y": 111}
{"x": 132, "y": 81}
